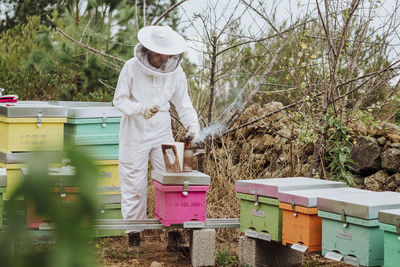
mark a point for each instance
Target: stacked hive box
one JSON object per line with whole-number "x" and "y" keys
{"x": 180, "y": 198}
{"x": 94, "y": 127}
{"x": 63, "y": 186}
{"x": 389, "y": 222}
{"x": 350, "y": 226}
{"x": 301, "y": 226}
{"x": 260, "y": 215}
{"x": 27, "y": 126}
{"x": 3, "y": 184}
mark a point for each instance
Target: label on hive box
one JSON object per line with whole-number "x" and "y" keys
{"x": 351, "y": 260}
{"x": 258, "y": 213}
{"x": 343, "y": 234}
{"x": 299, "y": 247}
{"x": 334, "y": 256}
{"x": 250, "y": 233}
{"x": 264, "y": 236}
{"x": 105, "y": 174}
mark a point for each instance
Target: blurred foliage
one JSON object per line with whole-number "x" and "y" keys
{"x": 72, "y": 219}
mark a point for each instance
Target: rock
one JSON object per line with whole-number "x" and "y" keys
{"x": 392, "y": 182}
{"x": 155, "y": 264}
{"x": 381, "y": 140}
{"x": 395, "y": 138}
{"x": 391, "y": 159}
{"x": 366, "y": 155}
{"x": 271, "y": 107}
{"x": 390, "y": 128}
{"x": 358, "y": 127}
{"x": 376, "y": 181}
{"x": 393, "y": 145}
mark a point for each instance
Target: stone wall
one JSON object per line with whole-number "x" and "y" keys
{"x": 272, "y": 148}
{"x": 377, "y": 157}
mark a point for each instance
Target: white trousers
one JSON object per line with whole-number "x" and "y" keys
{"x": 133, "y": 169}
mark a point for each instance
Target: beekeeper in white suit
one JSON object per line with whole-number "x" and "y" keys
{"x": 146, "y": 84}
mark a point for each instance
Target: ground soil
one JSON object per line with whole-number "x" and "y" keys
{"x": 113, "y": 251}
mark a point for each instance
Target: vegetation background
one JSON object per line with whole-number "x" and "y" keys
{"x": 332, "y": 66}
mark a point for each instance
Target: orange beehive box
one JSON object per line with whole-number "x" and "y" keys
{"x": 301, "y": 225}
{"x": 66, "y": 194}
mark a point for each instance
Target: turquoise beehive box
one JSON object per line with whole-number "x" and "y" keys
{"x": 260, "y": 215}
{"x": 94, "y": 126}
{"x": 350, "y": 226}
{"x": 389, "y": 222}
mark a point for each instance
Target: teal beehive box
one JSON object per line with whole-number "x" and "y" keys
{"x": 260, "y": 215}
{"x": 350, "y": 226}
{"x": 94, "y": 126}
{"x": 389, "y": 222}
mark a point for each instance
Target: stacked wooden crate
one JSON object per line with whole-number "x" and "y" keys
{"x": 94, "y": 127}
{"x": 28, "y": 126}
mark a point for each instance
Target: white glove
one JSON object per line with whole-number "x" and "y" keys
{"x": 148, "y": 112}
{"x": 193, "y": 134}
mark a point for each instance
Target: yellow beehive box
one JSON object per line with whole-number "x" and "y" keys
{"x": 31, "y": 125}
{"x": 23, "y": 134}
{"x": 108, "y": 177}
{"x": 14, "y": 177}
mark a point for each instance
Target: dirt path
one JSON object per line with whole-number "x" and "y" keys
{"x": 113, "y": 251}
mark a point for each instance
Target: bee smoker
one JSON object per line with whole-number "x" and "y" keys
{"x": 193, "y": 156}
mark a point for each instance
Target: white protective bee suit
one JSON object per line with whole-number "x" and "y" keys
{"x": 140, "y": 87}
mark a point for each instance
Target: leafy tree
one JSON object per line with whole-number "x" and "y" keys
{"x": 16, "y": 11}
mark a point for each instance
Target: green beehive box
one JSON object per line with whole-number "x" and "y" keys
{"x": 389, "y": 222}
{"x": 110, "y": 209}
{"x": 94, "y": 126}
{"x": 350, "y": 226}
{"x": 260, "y": 215}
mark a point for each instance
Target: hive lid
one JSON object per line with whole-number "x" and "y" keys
{"x": 390, "y": 216}
{"x": 32, "y": 109}
{"x": 63, "y": 176}
{"x": 308, "y": 198}
{"x": 3, "y": 177}
{"x": 24, "y": 157}
{"x": 193, "y": 178}
{"x": 271, "y": 187}
{"x": 362, "y": 204}
{"x": 80, "y": 110}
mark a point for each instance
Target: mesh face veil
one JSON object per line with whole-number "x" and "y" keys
{"x": 169, "y": 66}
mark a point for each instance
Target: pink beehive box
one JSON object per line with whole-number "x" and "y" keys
{"x": 180, "y": 197}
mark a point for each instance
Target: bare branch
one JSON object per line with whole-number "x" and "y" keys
{"x": 95, "y": 51}
{"x": 167, "y": 11}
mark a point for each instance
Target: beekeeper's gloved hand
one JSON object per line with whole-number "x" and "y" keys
{"x": 193, "y": 134}
{"x": 148, "y": 112}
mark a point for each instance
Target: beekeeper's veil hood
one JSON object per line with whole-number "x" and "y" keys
{"x": 161, "y": 40}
